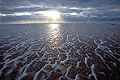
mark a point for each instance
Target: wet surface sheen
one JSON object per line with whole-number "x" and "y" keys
{"x": 59, "y": 51}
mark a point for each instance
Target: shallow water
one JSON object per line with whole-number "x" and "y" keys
{"x": 59, "y": 51}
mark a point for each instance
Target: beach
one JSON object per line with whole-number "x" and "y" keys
{"x": 60, "y": 51}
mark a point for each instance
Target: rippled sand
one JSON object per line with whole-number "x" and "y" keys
{"x": 60, "y": 52}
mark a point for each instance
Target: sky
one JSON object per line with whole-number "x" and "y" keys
{"x": 69, "y": 10}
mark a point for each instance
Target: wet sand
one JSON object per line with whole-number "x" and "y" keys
{"x": 60, "y": 51}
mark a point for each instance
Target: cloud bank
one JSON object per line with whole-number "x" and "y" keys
{"x": 70, "y": 10}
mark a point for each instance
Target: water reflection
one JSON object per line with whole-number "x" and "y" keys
{"x": 54, "y": 35}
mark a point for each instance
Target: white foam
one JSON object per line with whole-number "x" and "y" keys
{"x": 25, "y": 70}
{"x": 58, "y": 66}
{"x": 78, "y": 52}
{"x": 68, "y": 56}
{"x": 78, "y": 64}
{"x": 100, "y": 57}
{"x": 37, "y": 73}
{"x": 93, "y": 72}
{"x": 77, "y": 77}
{"x": 43, "y": 57}
{"x": 86, "y": 62}
{"x": 68, "y": 70}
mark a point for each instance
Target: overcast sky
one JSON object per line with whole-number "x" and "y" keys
{"x": 71, "y": 10}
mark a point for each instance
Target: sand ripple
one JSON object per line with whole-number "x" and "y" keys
{"x": 66, "y": 52}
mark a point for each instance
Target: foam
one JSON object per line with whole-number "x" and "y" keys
{"x": 93, "y": 72}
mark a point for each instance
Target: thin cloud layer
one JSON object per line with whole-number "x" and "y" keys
{"x": 70, "y": 11}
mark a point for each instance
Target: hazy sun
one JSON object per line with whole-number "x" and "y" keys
{"x": 54, "y": 15}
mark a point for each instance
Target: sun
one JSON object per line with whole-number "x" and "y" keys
{"x": 53, "y": 15}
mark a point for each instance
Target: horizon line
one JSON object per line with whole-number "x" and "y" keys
{"x": 58, "y": 22}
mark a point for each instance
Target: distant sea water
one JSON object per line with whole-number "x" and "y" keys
{"x": 66, "y": 51}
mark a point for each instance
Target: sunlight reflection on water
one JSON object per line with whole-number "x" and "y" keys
{"x": 54, "y": 35}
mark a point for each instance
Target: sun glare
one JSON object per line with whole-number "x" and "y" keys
{"x": 54, "y": 15}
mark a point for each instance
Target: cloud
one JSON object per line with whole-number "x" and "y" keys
{"x": 72, "y": 10}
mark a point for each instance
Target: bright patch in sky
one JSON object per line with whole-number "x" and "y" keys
{"x": 54, "y": 15}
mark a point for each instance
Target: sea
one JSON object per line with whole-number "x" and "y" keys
{"x": 60, "y": 51}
